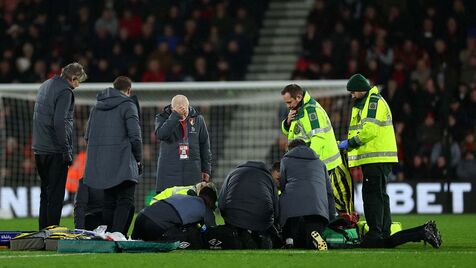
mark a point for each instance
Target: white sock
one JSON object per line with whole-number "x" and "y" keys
{"x": 289, "y": 241}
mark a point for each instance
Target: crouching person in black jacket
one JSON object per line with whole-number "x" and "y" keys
{"x": 248, "y": 202}
{"x": 164, "y": 219}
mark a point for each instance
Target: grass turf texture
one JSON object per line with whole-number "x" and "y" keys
{"x": 458, "y": 250}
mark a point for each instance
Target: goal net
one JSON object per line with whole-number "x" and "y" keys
{"x": 243, "y": 120}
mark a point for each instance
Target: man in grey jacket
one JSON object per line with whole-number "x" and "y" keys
{"x": 248, "y": 201}
{"x": 53, "y": 139}
{"x": 114, "y": 153}
{"x": 185, "y": 156}
{"x": 306, "y": 203}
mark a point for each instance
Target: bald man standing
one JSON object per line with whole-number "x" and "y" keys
{"x": 185, "y": 156}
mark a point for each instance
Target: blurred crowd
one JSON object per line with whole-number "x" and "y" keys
{"x": 149, "y": 41}
{"x": 423, "y": 54}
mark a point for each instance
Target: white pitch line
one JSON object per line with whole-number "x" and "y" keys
{"x": 342, "y": 252}
{"x": 41, "y": 256}
{"x": 284, "y": 253}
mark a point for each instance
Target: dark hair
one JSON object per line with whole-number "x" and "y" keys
{"x": 276, "y": 166}
{"x": 209, "y": 195}
{"x": 74, "y": 71}
{"x": 122, "y": 83}
{"x": 293, "y": 90}
{"x": 295, "y": 143}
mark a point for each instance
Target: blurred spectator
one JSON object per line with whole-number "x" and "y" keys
{"x": 438, "y": 151}
{"x": 469, "y": 145}
{"x": 428, "y": 134}
{"x": 76, "y": 170}
{"x": 438, "y": 170}
{"x": 469, "y": 50}
{"x": 102, "y": 71}
{"x": 457, "y": 120}
{"x": 169, "y": 38}
{"x": 200, "y": 71}
{"x": 468, "y": 71}
{"x": 163, "y": 56}
{"x": 248, "y": 24}
{"x": 470, "y": 107}
{"x": 107, "y": 21}
{"x": 6, "y": 73}
{"x": 407, "y": 53}
{"x": 131, "y": 23}
{"x": 176, "y": 73}
{"x": 418, "y": 168}
{"x": 234, "y": 56}
{"x": 154, "y": 73}
{"x": 135, "y": 30}
{"x": 466, "y": 168}
{"x": 422, "y": 72}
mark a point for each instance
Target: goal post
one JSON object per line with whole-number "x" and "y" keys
{"x": 243, "y": 119}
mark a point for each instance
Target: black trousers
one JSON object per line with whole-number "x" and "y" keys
{"x": 93, "y": 220}
{"x": 376, "y": 200}
{"x": 300, "y": 228}
{"x": 53, "y": 172}
{"x": 250, "y": 239}
{"x": 118, "y": 209}
{"x": 146, "y": 229}
{"x": 415, "y": 234}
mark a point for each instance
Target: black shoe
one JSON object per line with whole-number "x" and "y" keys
{"x": 265, "y": 242}
{"x": 432, "y": 235}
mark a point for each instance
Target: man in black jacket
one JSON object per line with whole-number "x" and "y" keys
{"x": 248, "y": 201}
{"x": 185, "y": 156}
{"x": 114, "y": 152}
{"x": 306, "y": 203}
{"x": 53, "y": 139}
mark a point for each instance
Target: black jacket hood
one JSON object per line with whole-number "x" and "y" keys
{"x": 254, "y": 164}
{"x": 302, "y": 152}
{"x": 110, "y": 98}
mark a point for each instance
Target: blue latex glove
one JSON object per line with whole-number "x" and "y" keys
{"x": 343, "y": 145}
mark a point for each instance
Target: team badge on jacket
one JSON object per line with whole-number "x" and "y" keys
{"x": 191, "y": 120}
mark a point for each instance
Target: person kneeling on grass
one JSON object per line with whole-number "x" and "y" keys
{"x": 307, "y": 203}
{"x": 248, "y": 202}
{"x": 174, "y": 212}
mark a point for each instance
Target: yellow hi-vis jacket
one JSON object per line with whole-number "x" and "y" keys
{"x": 312, "y": 125}
{"x": 183, "y": 190}
{"x": 371, "y": 135}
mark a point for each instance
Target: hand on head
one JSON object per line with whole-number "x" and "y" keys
{"x": 180, "y": 105}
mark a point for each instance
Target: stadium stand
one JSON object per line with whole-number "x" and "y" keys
{"x": 423, "y": 62}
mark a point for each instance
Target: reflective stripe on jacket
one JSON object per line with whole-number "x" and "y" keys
{"x": 183, "y": 190}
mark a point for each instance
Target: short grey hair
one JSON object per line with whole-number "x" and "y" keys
{"x": 74, "y": 71}
{"x": 179, "y": 100}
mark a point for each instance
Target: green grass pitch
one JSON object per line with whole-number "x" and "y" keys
{"x": 458, "y": 250}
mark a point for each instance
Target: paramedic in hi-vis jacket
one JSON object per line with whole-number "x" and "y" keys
{"x": 371, "y": 145}
{"x": 307, "y": 120}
